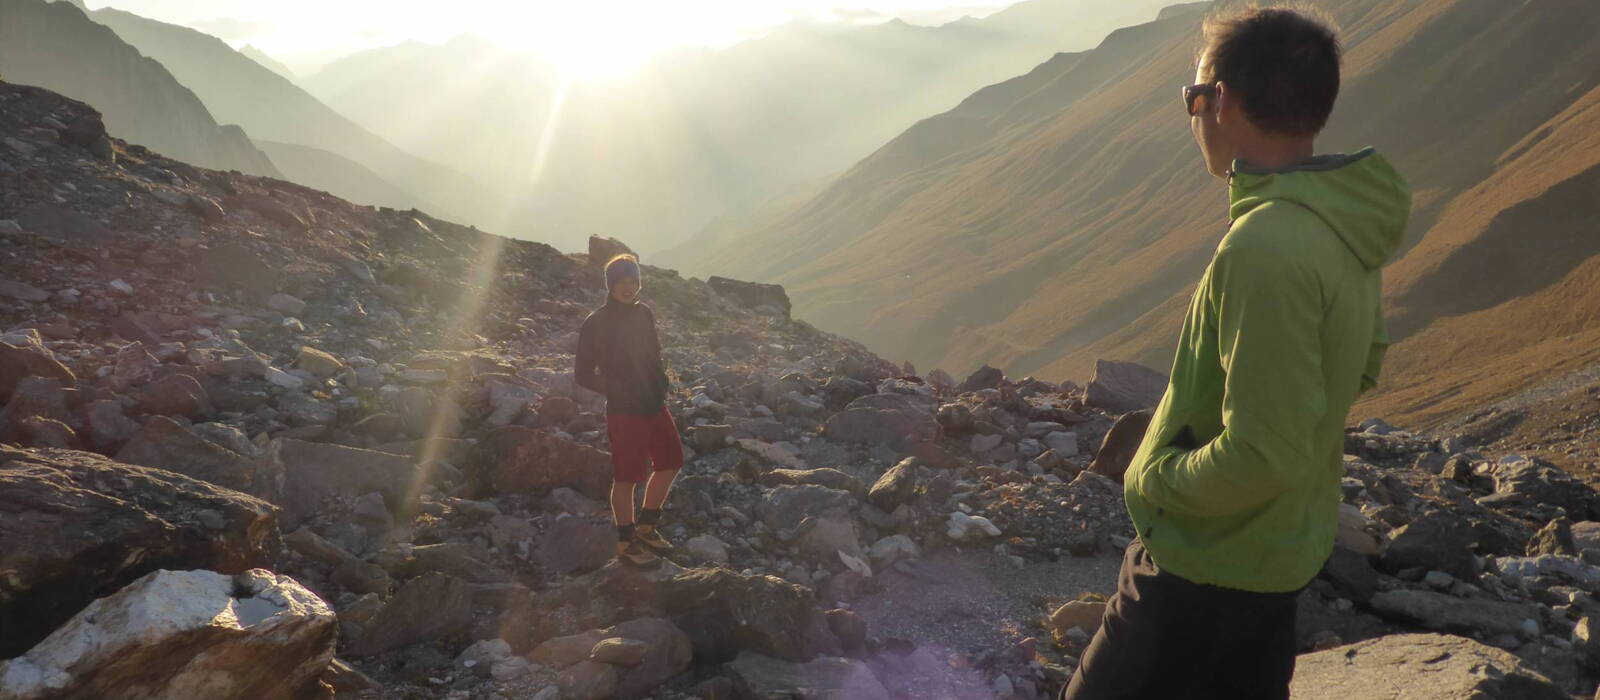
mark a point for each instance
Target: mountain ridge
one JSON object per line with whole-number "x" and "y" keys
{"x": 55, "y": 44}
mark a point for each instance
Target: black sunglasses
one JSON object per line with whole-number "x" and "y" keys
{"x": 1190, "y": 92}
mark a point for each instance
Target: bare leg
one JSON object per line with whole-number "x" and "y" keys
{"x": 657, "y": 488}
{"x": 622, "y": 501}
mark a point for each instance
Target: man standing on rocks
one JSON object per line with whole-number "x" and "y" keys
{"x": 619, "y": 355}
{"x": 1235, "y": 489}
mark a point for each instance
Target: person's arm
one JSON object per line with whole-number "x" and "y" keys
{"x": 1268, "y": 311}
{"x": 585, "y": 370}
{"x": 655, "y": 349}
{"x": 1380, "y": 346}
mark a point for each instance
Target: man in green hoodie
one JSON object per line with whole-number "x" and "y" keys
{"x": 1234, "y": 491}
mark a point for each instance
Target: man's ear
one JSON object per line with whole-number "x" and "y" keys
{"x": 1224, "y": 100}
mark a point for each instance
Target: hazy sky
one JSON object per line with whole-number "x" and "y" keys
{"x": 590, "y": 36}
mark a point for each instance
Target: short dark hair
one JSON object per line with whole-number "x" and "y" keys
{"x": 1282, "y": 62}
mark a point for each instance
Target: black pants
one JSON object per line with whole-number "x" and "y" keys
{"x": 1166, "y": 637}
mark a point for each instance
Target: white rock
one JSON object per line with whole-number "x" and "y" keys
{"x": 707, "y": 549}
{"x": 984, "y": 443}
{"x": 278, "y": 377}
{"x": 182, "y": 634}
{"x": 121, "y": 287}
{"x": 1064, "y": 443}
{"x": 893, "y": 548}
{"x": 962, "y": 527}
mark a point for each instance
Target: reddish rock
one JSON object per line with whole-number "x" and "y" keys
{"x": 516, "y": 459}
{"x": 24, "y": 355}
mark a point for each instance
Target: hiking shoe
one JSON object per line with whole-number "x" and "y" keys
{"x": 650, "y": 537}
{"x": 635, "y": 555}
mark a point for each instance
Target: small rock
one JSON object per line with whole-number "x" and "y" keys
{"x": 285, "y": 304}
{"x": 1077, "y": 614}
{"x": 280, "y": 378}
{"x": 707, "y": 549}
{"x": 984, "y": 443}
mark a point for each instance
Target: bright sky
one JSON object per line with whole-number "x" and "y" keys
{"x": 593, "y": 37}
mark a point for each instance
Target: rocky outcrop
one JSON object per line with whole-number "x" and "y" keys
{"x": 312, "y": 472}
{"x": 65, "y": 514}
{"x": 184, "y": 634}
{"x": 890, "y": 418}
{"x": 517, "y": 459}
{"x": 166, "y": 444}
{"x": 55, "y": 45}
{"x": 753, "y": 295}
{"x": 425, "y": 608}
{"x": 828, "y": 678}
{"x": 1419, "y": 667}
{"x": 24, "y": 355}
{"x": 1120, "y": 387}
{"x": 725, "y": 613}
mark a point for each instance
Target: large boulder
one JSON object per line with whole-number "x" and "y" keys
{"x": 173, "y": 395}
{"x": 1445, "y": 613}
{"x": 753, "y": 295}
{"x": 515, "y": 459}
{"x": 892, "y": 419}
{"x": 1120, "y": 444}
{"x": 184, "y": 634}
{"x": 23, "y": 354}
{"x": 1419, "y": 667}
{"x": 1529, "y": 483}
{"x": 602, "y": 250}
{"x": 668, "y": 652}
{"x": 312, "y": 472}
{"x": 426, "y": 608}
{"x": 1120, "y": 387}
{"x": 785, "y": 507}
{"x": 725, "y": 613}
{"x": 894, "y": 487}
{"x": 825, "y": 678}
{"x": 1439, "y": 540}
{"x": 33, "y": 399}
{"x": 587, "y": 680}
{"x": 984, "y": 377}
{"x": 572, "y": 543}
{"x": 166, "y": 444}
{"x": 1586, "y": 535}
{"x": 75, "y": 526}
{"x": 822, "y": 537}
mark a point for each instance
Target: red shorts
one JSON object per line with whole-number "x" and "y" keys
{"x": 640, "y": 444}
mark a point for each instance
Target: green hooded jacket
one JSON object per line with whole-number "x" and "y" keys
{"x": 1237, "y": 481}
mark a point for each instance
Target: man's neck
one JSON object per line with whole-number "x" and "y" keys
{"x": 1271, "y": 153}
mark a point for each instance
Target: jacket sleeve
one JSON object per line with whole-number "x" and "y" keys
{"x": 1267, "y": 308}
{"x": 1380, "y": 346}
{"x": 655, "y": 349}
{"x": 585, "y": 371}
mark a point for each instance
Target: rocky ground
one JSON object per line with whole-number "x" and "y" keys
{"x": 260, "y": 442}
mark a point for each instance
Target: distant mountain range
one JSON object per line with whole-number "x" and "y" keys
{"x": 240, "y": 89}
{"x": 54, "y": 45}
{"x": 266, "y": 61}
{"x": 654, "y": 157}
{"x": 1064, "y": 215}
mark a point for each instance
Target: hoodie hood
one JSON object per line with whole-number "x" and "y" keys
{"x": 1361, "y": 197}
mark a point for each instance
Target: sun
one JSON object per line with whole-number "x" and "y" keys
{"x": 588, "y": 40}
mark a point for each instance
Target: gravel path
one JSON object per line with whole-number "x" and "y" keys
{"x": 976, "y": 601}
